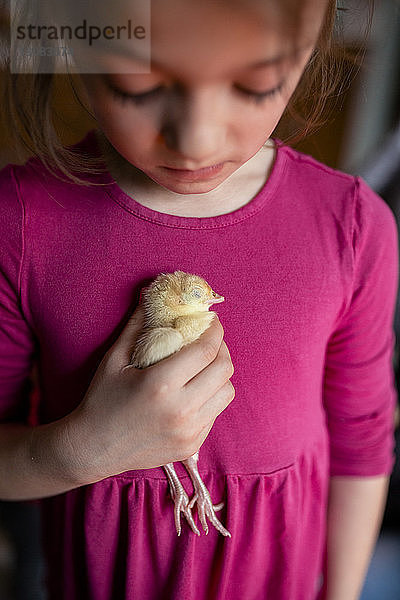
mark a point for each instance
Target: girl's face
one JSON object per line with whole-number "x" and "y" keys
{"x": 222, "y": 74}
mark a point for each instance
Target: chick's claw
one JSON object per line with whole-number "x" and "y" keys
{"x": 215, "y": 506}
{"x": 182, "y": 504}
{"x": 180, "y": 498}
{"x": 205, "y": 507}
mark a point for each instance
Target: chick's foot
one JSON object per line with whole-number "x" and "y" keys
{"x": 180, "y": 498}
{"x": 205, "y": 507}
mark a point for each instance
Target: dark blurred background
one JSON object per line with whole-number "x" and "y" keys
{"x": 361, "y": 137}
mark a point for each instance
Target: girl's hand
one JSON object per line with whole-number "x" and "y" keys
{"x": 143, "y": 418}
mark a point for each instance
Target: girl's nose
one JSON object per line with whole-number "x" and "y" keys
{"x": 194, "y": 127}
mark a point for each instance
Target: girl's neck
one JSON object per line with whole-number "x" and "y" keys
{"x": 236, "y": 191}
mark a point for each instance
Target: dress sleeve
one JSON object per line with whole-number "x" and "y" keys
{"x": 17, "y": 344}
{"x": 359, "y": 387}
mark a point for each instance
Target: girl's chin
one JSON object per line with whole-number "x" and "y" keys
{"x": 188, "y": 187}
{"x": 187, "y": 182}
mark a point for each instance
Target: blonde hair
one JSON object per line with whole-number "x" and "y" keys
{"x": 28, "y": 107}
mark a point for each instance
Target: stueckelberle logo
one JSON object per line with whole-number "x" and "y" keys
{"x": 62, "y": 36}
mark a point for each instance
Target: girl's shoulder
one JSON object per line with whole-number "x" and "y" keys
{"x": 11, "y": 208}
{"x": 25, "y": 188}
{"x": 12, "y": 174}
{"x": 307, "y": 167}
{"x": 34, "y": 186}
{"x": 34, "y": 173}
{"x": 334, "y": 189}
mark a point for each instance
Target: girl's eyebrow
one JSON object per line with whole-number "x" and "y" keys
{"x": 261, "y": 64}
{"x": 268, "y": 62}
{"x": 275, "y": 60}
{"x": 280, "y": 58}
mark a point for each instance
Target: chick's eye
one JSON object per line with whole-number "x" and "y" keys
{"x": 197, "y": 293}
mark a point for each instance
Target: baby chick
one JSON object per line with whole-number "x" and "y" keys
{"x": 176, "y": 307}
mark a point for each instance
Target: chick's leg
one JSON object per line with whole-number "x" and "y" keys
{"x": 180, "y": 498}
{"x": 202, "y": 496}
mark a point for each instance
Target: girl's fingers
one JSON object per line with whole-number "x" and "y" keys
{"x": 212, "y": 377}
{"x": 184, "y": 365}
{"x": 214, "y": 407}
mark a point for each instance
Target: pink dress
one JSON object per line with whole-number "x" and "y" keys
{"x": 309, "y": 272}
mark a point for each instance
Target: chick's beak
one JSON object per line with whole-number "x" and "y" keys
{"x": 215, "y": 299}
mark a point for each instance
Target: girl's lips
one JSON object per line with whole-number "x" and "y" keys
{"x": 187, "y": 175}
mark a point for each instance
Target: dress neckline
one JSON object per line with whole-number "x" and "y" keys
{"x": 257, "y": 203}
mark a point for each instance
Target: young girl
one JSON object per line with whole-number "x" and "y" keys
{"x": 306, "y": 258}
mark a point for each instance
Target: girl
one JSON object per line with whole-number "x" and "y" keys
{"x": 306, "y": 258}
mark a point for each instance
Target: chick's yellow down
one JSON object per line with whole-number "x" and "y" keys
{"x": 176, "y": 307}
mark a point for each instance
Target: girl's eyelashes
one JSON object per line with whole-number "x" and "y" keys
{"x": 259, "y": 97}
{"x": 125, "y": 97}
{"x": 142, "y": 98}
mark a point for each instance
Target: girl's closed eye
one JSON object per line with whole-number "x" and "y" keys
{"x": 124, "y": 97}
{"x": 155, "y": 93}
{"x": 259, "y": 97}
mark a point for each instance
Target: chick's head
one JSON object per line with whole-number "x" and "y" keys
{"x": 193, "y": 293}
{"x": 180, "y": 293}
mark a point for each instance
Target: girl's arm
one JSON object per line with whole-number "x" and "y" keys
{"x": 360, "y": 395}
{"x": 354, "y": 516}
{"x": 129, "y": 419}
{"x": 36, "y": 462}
